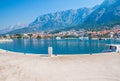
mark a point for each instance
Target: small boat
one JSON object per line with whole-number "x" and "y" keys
{"x": 95, "y": 38}
{"x": 58, "y": 38}
{"x": 118, "y": 39}
{"x": 113, "y": 48}
{"x": 84, "y": 38}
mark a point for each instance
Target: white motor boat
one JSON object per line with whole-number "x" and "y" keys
{"x": 114, "y": 48}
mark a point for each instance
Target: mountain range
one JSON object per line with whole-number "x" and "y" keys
{"x": 13, "y": 28}
{"x": 108, "y": 13}
{"x": 56, "y": 21}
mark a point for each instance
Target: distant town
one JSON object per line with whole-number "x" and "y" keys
{"x": 71, "y": 34}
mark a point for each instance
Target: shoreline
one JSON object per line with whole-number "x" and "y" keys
{"x": 6, "y": 51}
{"x": 96, "y": 67}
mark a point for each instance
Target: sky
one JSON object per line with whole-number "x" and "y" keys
{"x": 25, "y": 11}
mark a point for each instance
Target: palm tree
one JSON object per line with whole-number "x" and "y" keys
{"x": 30, "y": 35}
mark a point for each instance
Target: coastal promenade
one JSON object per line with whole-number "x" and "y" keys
{"x": 97, "y": 67}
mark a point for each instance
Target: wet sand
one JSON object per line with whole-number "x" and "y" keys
{"x": 19, "y": 67}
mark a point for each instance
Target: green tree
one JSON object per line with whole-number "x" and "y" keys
{"x": 39, "y": 37}
{"x": 19, "y": 36}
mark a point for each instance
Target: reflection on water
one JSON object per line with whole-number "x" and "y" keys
{"x": 72, "y": 46}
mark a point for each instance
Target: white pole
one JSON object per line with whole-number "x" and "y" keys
{"x": 50, "y": 51}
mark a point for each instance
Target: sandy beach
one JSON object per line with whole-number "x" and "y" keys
{"x": 19, "y": 67}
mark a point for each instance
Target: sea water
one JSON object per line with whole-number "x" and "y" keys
{"x": 62, "y": 46}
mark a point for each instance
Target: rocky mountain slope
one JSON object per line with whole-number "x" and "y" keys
{"x": 108, "y": 13}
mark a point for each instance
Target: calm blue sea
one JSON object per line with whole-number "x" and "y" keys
{"x": 65, "y": 46}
